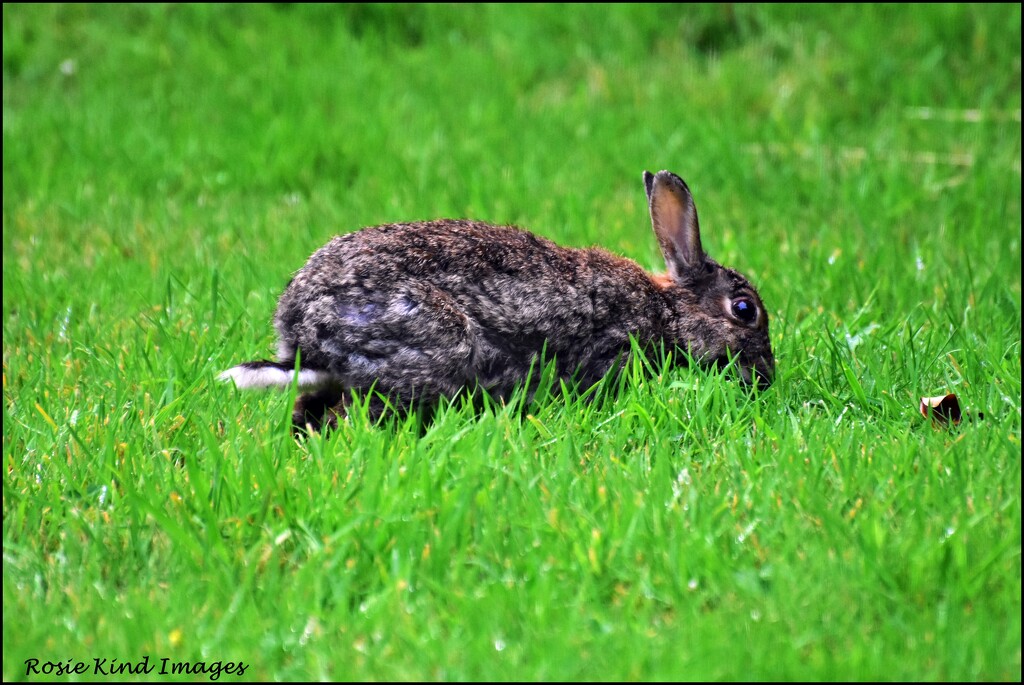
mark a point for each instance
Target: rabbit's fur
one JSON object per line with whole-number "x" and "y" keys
{"x": 420, "y": 310}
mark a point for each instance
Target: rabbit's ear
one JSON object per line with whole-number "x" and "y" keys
{"x": 675, "y": 222}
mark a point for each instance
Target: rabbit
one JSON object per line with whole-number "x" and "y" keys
{"x": 417, "y": 311}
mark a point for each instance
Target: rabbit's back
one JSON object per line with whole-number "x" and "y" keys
{"x": 427, "y": 308}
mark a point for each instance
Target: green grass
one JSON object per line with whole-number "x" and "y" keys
{"x": 167, "y": 168}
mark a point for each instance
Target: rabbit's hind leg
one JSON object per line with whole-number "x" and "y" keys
{"x": 323, "y": 408}
{"x": 314, "y": 410}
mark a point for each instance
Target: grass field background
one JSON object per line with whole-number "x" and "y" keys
{"x": 166, "y": 169}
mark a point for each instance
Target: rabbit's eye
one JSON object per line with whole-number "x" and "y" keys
{"x": 744, "y": 309}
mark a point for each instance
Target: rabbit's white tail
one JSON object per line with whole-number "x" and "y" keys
{"x": 264, "y": 374}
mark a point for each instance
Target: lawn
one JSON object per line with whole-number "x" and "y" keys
{"x": 167, "y": 168}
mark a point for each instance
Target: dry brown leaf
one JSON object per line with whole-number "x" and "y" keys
{"x": 942, "y": 408}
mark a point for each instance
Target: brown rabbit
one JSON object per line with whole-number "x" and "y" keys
{"x": 420, "y": 310}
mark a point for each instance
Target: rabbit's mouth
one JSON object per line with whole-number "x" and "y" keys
{"x": 764, "y": 372}
{"x": 760, "y": 373}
